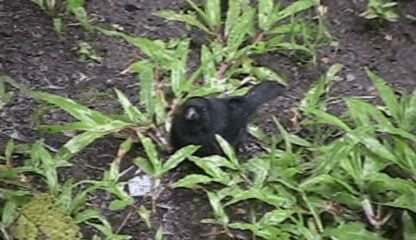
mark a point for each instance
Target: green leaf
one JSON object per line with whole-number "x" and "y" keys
{"x": 292, "y": 9}
{"x": 227, "y": 149}
{"x": 9, "y": 213}
{"x": 151, "y": 152}
{"x": 201, "y": 13}
{"x": 191, "y": 180}
{"x": 179, "y": 156}
{"x": 325, "y": 179}
{"x": 313, "y": 98}
{"x": 154, "y": 49}
{"x": 147, "y": 84}
{"x": 265, "y": 10}
{"x": 208, "y": 66}
{"x": 145, "y": 214}
{"x": 77, "y": 144}
{"x": 238, "y": 33}
{"x": 371, "y": 143}
{"x": 160, "y": 108}
{"x": 409, "y": 111}
{"x": 260, "y": 167}
{"x": 159, "y": 234}
{"x": 48, "y": 167}
{"x": 186, "y": 18}
{"x": 213, "y": 12}
{"x": 276, "y": 217}
{"x": 233, "y": 13}
{"x": 380, "y": 183}
{"x": 178, "y": 69}
{"x": 146, "y": 165}
{"x": 359, "y": 112}
{"x": 212, "y": 169}
{"x": 409, "y": 224}
{"x": 117, "y": 204}
{"x": 350, "y": 231}
{"x": 218, "y": 208}
{"x": 10, "y": 147}
{"x": 77, "y": 8}
{"x": 5, "y": 96}
{"x": 86, "y": 215}
{"x": 324, "y": 117}
{"x": 77, "y": 110}
{"x": 404, "y": 201}
{"x": 132, "y": 112}
{"x": 263, "y": 194}
{"x": 387, "y": 94}
{"x": 264, "y": 73}
{"x": 359, "y": 109}
{"x": 292, "y": 27}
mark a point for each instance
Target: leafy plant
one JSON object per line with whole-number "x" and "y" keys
{"x": 247, "y": 31}
{"x": 153, "y": 164}
{"x": 5, "y": 96}
{"x": 58, "y": 9}
{"x": 381, "y": 9}
{"x": 355, "y": 184}
{"x": 229, "y": 55}
{"x": 87, "y": 53}
{"x": 66, "y": 202}
{"x": 356, "y": 170}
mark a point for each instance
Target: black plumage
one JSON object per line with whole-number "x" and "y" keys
{"x": 198, "y": 119}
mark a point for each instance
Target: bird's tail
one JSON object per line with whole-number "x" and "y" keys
{"x": 262, "y": 93}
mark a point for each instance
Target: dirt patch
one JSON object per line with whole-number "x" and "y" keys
{"x": 34, "y": 55}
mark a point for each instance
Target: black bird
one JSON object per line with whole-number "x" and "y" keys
{"x": 198, "y": 119}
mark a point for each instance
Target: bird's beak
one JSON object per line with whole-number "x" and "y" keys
{"x": 191, "y": 114}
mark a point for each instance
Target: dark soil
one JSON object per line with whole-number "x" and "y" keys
{"x": 33, "y": 54}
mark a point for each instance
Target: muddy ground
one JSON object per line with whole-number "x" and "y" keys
{"x": 33, "y": 54}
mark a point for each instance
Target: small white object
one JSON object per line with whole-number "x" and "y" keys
{"x": 140, "y": 185}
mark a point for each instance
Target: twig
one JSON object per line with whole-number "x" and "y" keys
{"x": 221, "y": 70}
{"x": 124, "y": 222}
{"x": 5, "y": 235}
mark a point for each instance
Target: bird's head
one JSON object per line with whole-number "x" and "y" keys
{"x": 196, "y": 109}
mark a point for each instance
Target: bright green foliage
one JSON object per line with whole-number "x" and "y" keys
{"x": 5, "y": 96}
{"x": 40, "y": 218}
{"x": 68, "y": 198}
{"x": 249, "y": 30}
{"x": 154, "y": 165}
{"x": 381, "y": 9}
{"x": 87, "y": 53}
{"x": 345, "y": 181}
{"x": 57, "y": 9}
{"x": 339, "y": 177}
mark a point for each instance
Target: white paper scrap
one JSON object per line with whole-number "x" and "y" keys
{"x": 140, "y": 185}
